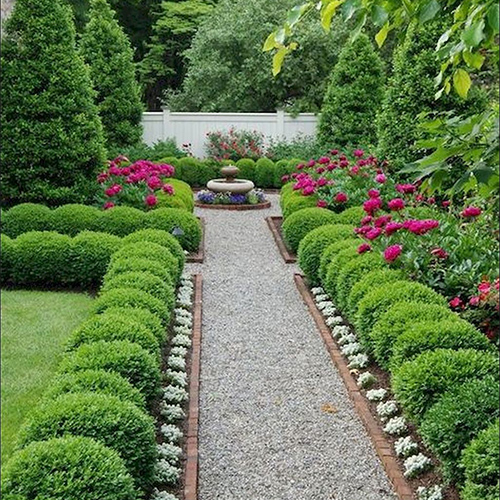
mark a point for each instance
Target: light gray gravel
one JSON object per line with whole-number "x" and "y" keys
{"x": 265, "y": 375}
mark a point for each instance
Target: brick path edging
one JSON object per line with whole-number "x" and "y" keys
{"x": 382, "y": 445}
{"x": 191, "y": 472}
{"x": 285, "y": 253}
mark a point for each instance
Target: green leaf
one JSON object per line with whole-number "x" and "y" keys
{"x": 461, "y": 82}
{"x": 474, "y": 34}
{"x": 492, "y": 16}
{"x": 379, "y": 15}
{"x": 350, "y": 8}
{"x": 278, "y": 60}
{"x": 328, "y": 12}
{"x": 294, "y": 15}
{"x": 473, "y": 59}
{"x": 270, "y": 42}
{"x": 429, "y": 11}
{"x": 381, "y": 36}
{"x": 280, "y": 36}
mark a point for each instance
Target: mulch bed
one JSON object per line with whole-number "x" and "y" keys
{"x": 275, "y": 224}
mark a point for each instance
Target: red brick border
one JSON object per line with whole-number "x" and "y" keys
{"x": 191, "y": 472}
{"x": 237, "y": 208}
{"x": 380, "y": 442}
{"x": 288, "y": 257}
{"x": 199, "y": 256}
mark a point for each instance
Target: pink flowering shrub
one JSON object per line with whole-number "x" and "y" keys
{"x": 234, "y": 145}
{"x": 135, "y": 185}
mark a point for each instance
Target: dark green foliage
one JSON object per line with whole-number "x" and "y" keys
{"x": 314, "y": 243}
{"x": 168, "y": 219}
{"x": 378, "y": 301}
{"x": 264, "y": 173}
{"x": 51, "y": 134}
{"x": 351, "y": 215}
{"x": 72, "y": 219}
{"x": 142, "y": 280}
{"x": 182, "y": 197}
{"x": 190, "y": 168}
{"x": 428, "y": 335}
{"x": 128, "y": 264}
{"x": 129, "y": 360}
{"x": 131, "y": 297}
{"x": 115, "y": 423}
{"x": 333, "y": 268}
{"x": 157, "y": 152}
{"x": 100, "y": 381}
{"x": 282, "y": 168}
{"x": 302, "y": 222}
{"x": 121, "y": 221}
{"x": 90, "y": 256}
{"x": 457, "y": 418}
{"x": 106, "y": 49}
{"x": 42, "y": 258}
{"x": 480, "y": 463}
{"x": 331, "y": 251}
{"x": 247, "y": 170}
{"x": 296, "y": 201}
{"x": 398, "y": 319}
{"x": 353, "y": 97}
{"x": 113, "y": 327}
{"x": 26, "y": 217}
{"x": 6, "y": 254}
{"x": 67, "y": 468}
{"x": 160, "y": 238}
{"x": 419, "y": 383}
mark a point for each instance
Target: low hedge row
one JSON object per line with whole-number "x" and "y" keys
{"x": 108, "y": 378}
{"x": 119, "y": 221}
{"x": 443, "y": 370}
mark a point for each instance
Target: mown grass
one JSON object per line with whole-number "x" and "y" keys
{"x": 35, "y": 326}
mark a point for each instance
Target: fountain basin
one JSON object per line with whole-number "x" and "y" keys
{"x": 236, "y": 186}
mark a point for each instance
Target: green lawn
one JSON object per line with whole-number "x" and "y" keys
{"x": 35, "y": 326}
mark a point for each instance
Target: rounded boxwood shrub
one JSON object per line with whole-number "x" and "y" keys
{"x": 111, "y": 327}
{"x": 297, "y": 201}
{"x": 131, "y": 264}
{"x": 151, "y": 251}
{"x": 6, "y": 253}
{"x": 332, "y": 270}
{"x": 367, "y": 283}
{"x": 42, "y": 258}
{"x": 457, "y": 418}
{"x": 397, "y": 320}
{"x": 182, "y": 197}
{"x": 330, "y": 252}
{"x": 373, "y": 305}
{"x": 314, "y": 243}
{"x": 247, "y": 170}
{"x": 264, "y": 173}
{"x": 190, "y": 171}
{"x": 120, "y": 221}
{"x": 26, "y": 217}
{"x": 73, "y": 218}
{"x": 419, "y": 383}
{"x": 90, "y": 256}
{"x": 127, "y": 359}
{"x": 143, "y": 316}
{"x": 351, "y": 215}
{"x": 99, "y": 381}
{"x": 480, "y": 464}
{"x": 67, "y": 468}
{"x": 115, "y": 423}
{"x": 281, "y": 168}
{"x": 160, "y": 238}
{"x": 167, "y": 219}
{"x": 302, "y": 222}
{"x": 429, "y": 335}
{"x": 131, "y": 297}
{"x": 285, "y": 192}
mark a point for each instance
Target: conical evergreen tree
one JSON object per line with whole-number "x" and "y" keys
{"x": 51, "y": 134}
{"x": 107, "y": 51}
{"x": 353, "y": 97}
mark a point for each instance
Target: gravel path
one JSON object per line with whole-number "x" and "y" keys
{"x": 264, "y": 377}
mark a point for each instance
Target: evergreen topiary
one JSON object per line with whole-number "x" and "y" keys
{"x": 351, "y": 215}
{"x": 282, "y": 168}
{"x": 131, "y": 264}
{"x": 247, "y": 170}
{"x": 190, "y": 171}
{"x": 182, "y": 197}
{"x": 67, "y": 468}
{"x": 121, "y": 221}
{"x": 26, "y": 217}
{"x": 344, "y": 256}
{"x": 71, "y": 219}
{"x": 51, "y": 134}
{"x": 353, "y": 97}
{"x": 264, "y": 173}
{"x": 295, "y": 201}
{"x": 330, "y": 252}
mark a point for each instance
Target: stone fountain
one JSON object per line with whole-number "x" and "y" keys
{"x": 230, "y": 184}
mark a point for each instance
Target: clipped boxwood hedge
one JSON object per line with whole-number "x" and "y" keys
{"x": 281, "y": 168}
{"x": 304, "y": 221}
{"x": 99, "y": 381}
{"x": 67, "y": 468}
{"x": 247, "y": 169}
{"x": 330, "y": 252}
{"x": 398, "y": 319}
{"x": 26, "y": 217}
{"x": 131, "y": 264}
{"x": 113, "y": 422}
{"x": 419, "y": 383}
{"x": 457, "y": 418}
{"x": 264, "y": 173}
{"x": 332, "y": 270}
{"x": 429, "y": 335}
{"x": 190, "y": 171}
{"x": 121, "y": 221}
{"x": 73, "y": 218}
{"x": 297, "y": 201}
{"x": 182, "y": 197}
{"x": 6, "y": 253}
{"x": 127, "y": 359}
{"x": 314, "y": 243}
{"x": 480, "y": 464}
{"x": 351, "y": 215}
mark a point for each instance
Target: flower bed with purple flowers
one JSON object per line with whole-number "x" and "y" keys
{"x": 253, "y": 199}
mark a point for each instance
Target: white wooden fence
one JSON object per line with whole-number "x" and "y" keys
{"x": 191, "y": 128}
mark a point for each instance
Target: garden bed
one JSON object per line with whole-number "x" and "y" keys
{"x": 275, "y": 224}
{"x": 256, "y": 206}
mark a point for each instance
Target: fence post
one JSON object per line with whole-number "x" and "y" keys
{"x": 166, "y": 123}
{"x": 280, "y": 123}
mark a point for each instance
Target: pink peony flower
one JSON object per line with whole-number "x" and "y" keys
{"x": 322, "y": 204}
{"x": 358, "y": 153}
{"x": 374, "y": 233}
{"x": 392, "y": 253}
{"x": 373, "y": 193}
{"x": 320, "y": 170}
{"x": 114, "y": 170}
{"x": 324, "y": 160}
{"x": 392, "y": 227}
{"x": 484, "y": 287}
{"x": 355, "y": 170}
{"x": 334, "y": 152}
{"x": 471, "y": 212}
{"x": 420, "y": 226}
{"x": 311, "y": 163}
{"x": 396, "y": 204}
{"x": 108, "y": 205}
{"x": 331, "y": 167}
{"x": 102, "y": 177}
{"x": 343, "y": 163}
{"x": 380, "y": 178}
{"x": 300, "y": 166}
{"x": 308, "y": 190}
{"x": 364, "y": 247}
{"x": 382, "y": 220}
{"x": 431, "y": 200}
{"x": 440, "y": 253}
{"x": 154, "y": 182}
{"x": 455, "y": 302}
{"x": 366, "y": 220}
{"x": 340, "y": 198}
{"x": 474, "y": 300}
{"x": 372, "y": 205}
{"x": 405, "y": 188}
{"x": 168, "y": 188}
{"x": 419, "y": 197}
{"x": 285, "y": 178}
{"x": 322, "y": 181}
{"x": 446, "y": 203}
{"x": 151, "y": 200}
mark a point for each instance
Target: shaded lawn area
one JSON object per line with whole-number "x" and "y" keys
{"x": 35, "y": 327}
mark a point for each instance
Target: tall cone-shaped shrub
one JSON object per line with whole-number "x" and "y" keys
{"x": 51, "y": 133}
{"x": 353, "y": 97}
{"x": 108, "y": 52}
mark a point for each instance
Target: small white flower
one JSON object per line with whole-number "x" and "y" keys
{"x": 387, "y": 409}
{"x": 182, "y": 340}
{"x": 163, "y": 495}
{"x": 358, "y": 361}
{"x": 178, "y": 351}
{"x": 332, "y": 321}
{"x": 405, "y": 446}
{"x": 317, "y": 290}
{"x": 183, "y": 312}
{"x": 416, "y": 464}
{"x": 183, "y": 330}
{"x": 321, "y": 297}
{"x": 181, "y": 320}
{"x": 340, "y": 331}
{"x": 176, "y": 377}
{"x": 350, "y": 349}
{"x": 185, "y": 276}
{"x": 171, "y": 412}
{"x": 173, "y": 394}
{"x": 167, "y": 473}
{"x": 324, "y": 304}
{"x": 176, "y": 363}
{"x": 430, "y": 493}
{"x": 396, "y": 426}
{"x": 366, "y": 379}
{"x": 329, "y": 311}
{"x": 376, "y": 394}
{"x": 170, "y": 452}
{"x": 171, "y": 433}
{"x": 348, "y": 338}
